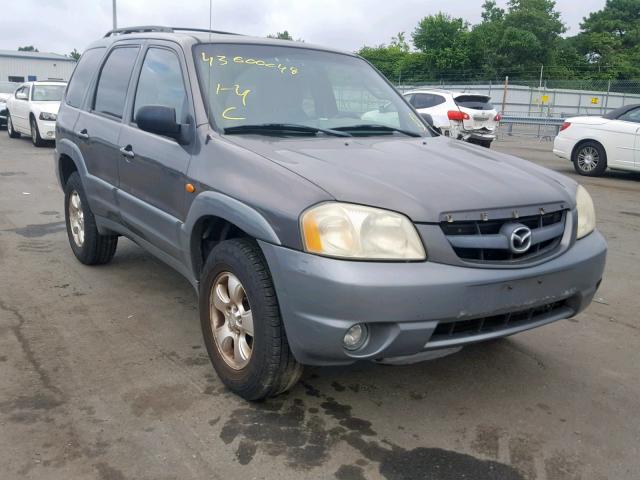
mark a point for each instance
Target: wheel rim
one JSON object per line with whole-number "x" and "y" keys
{"x": 9, "y": 126}
{"x": 76, "y": 218}
{"x": 588, "y": 158}
{"x": 231, "y": 320}
{"x": 33, "y": 131}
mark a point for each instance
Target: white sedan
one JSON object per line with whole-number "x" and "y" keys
{"x": 33, "y": 109}
{"x": 595, "y": 143}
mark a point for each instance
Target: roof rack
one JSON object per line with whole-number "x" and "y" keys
{"x": 155, "y": 28}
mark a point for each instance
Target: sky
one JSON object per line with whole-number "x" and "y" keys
{"x": 61, "y": 25}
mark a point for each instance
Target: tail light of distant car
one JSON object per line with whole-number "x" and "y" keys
{"x": 498, "y": 117}
{"x": 457, "y": 115}
{"x": 565, "y": 125}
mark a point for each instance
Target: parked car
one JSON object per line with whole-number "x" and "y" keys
{"x": 466, "y": 116}
{"x": 33, "y": 109}
{"x": 595, "y": 143}
{"x": 3, "y": 112}
{"x": 313, "y": 236}
{"x": 5, "y": 93}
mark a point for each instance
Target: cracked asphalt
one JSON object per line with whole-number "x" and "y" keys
{"x": 103, "y": 374}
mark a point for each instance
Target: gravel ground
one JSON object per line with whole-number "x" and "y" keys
{"x": 103, "y": 373}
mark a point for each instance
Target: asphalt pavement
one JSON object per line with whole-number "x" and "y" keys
{"x": 103, "y": 374}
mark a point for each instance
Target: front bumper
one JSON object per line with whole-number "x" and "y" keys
{"x": 47, "y": 129}
{"x": 403, "y": 304}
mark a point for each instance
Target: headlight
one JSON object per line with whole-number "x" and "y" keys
{"x": 586, "y": 212}
{"x": 48, "y": 116}
{"x": 353, "y": 231}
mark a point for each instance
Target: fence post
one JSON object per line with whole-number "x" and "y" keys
{"x": 606, "y": 99}
{"x": 504, "y": 94}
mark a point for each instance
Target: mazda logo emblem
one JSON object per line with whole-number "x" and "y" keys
{"x": 520, "y": 239}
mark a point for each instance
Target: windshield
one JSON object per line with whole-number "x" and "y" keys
{"x": 47, "y": 93}
{"x": 263, "y": 84}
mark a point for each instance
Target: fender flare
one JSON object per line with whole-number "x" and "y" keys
{"x": 215, "y": 204}
{"x": 71, "y": 150}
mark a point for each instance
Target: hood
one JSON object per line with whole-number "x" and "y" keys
{"x": 420, "y": 177}
{"x": 49, "y": 107}
{"x": 590, "y": 120}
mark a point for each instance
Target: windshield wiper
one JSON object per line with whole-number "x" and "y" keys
{"x": 373, "y": 127}
{"x": 284, "y": 127}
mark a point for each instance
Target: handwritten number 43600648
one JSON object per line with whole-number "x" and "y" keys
{"x": 222, "y": 60}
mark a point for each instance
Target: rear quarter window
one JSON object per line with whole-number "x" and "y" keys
{"x": 86, "y": 67}
{"x": 475, "y": 102}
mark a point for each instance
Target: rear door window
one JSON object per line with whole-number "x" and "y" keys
{"x": 427, "y": 100}
{"x": 475, "y": 102}
{"x": 113, "y": 83}
{"x": 82, "y": 75}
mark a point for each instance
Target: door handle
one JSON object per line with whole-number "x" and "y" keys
{"x": 127, "y": 151}
{"x": 83, "y": 134}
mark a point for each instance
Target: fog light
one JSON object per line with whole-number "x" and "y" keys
{"x": 355, "y": 337}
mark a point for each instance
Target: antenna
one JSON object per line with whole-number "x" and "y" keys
{"x": 210, "y": 18}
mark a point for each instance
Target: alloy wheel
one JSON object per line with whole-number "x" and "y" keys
{"x": 231, "y": 320}
{"x": 76, "y": 218}
{"x": 588, "y": 158}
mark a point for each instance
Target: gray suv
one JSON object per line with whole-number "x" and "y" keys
{"x": 320, "y": 219}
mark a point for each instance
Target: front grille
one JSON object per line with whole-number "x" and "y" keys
{"x": 463, "y": 329}
{"x": 481, "y": 241}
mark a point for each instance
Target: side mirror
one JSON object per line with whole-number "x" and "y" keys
{"x": 22, "y": 96}
{"x": 427, "y": 118}
{"x": 160, "y": 120}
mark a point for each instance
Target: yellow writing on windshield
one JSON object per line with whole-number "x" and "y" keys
{"x": 242, "y": 94}
{"x": 227, "y": 114}
{"x": 222, "y": 60}
{"x": 236, "y": 89}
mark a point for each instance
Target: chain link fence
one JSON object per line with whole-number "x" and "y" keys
{"x": 550, "y": 98}
{"x": 536, "y": 108}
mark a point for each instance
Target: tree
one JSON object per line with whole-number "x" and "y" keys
{"x": 610, "y": 40}
{"x": 438, "y": 32}
{"x": 400, "y": 42}
{"x": 445, "y": 43}
{"x": 284, "y": 36}
{"x": 75, "y": 55}
{"x": 29, "y": 48}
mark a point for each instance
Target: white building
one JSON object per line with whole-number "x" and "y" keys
{"x": 19, "y": 67}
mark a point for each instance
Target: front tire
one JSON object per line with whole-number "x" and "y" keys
{"x": 10, "y": 130}
{"x": 589, "y": 159}
{"x": 88, "y": 245}
{"x": 241, "y": 322}
{"x": 35, "y": 134}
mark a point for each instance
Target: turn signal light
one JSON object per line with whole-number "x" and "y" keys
{"x": 457, "y": 115}
{"x": 565, "y": 125}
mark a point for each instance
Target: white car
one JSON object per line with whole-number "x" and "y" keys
{"x": 33, "y": 109}
{"x": 462, "y": 115}
{"x": 595, "y": 143}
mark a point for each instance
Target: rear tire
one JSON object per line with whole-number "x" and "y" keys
{"x": 36, "y": 139}
{"x": 589, "y": 159}
{"x": 10, "y": 130}
{"x": 254, "y": 362}
{"x": 88, "y": 245}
